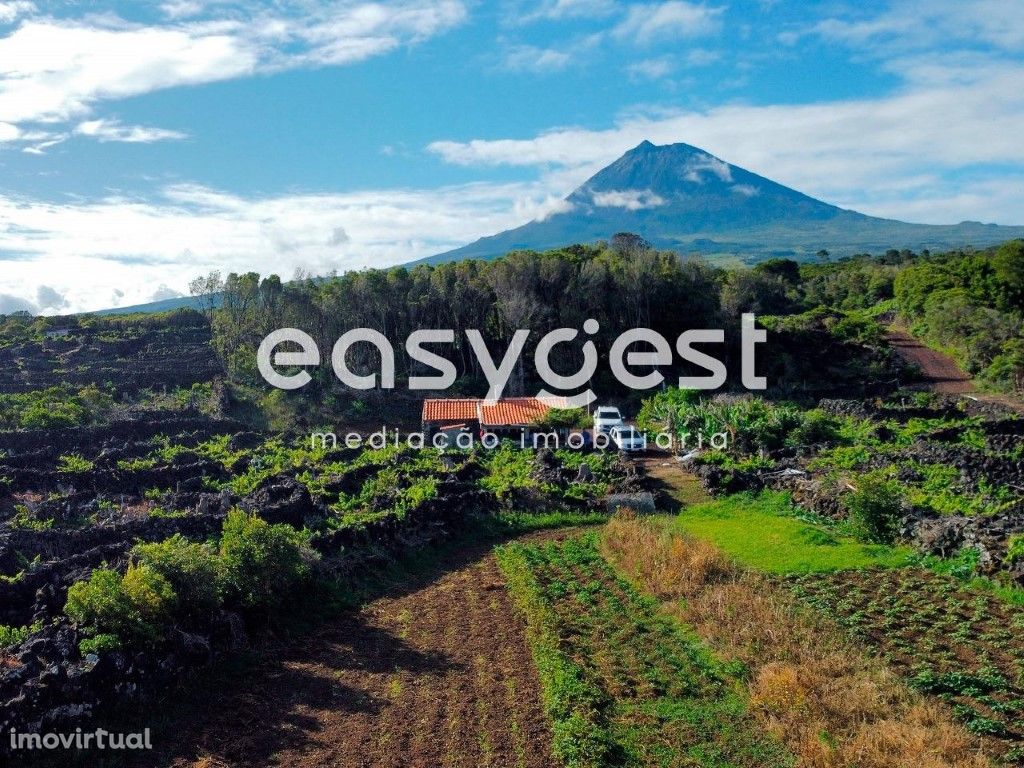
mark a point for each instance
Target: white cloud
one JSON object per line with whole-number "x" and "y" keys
{"x": 164, "y": 292}
{"x": 698, "y": 165}
{"x": 55, "y": 70}
{"x": 985, "y": 200}
{"x": 531, "y": 59}
{"x": 916, "y": 24}
{"x": 128, "y": 245}
{"x": 112, "y": 130}
{"x": 566, "y": 9}
{"x": 672, "y": 19}
{"x": 701, "y": 57}
{"x": 549, "y": 147}
{"x": 10, "y": 11}
{"x": 540, "y": 209}
{"x": 848, "y": 152}
{"x": 42, "y": 141}
{"x": 50, "y": 298}
{"x": 630, "y": 199}
{"x": 342, "y": 32}
{"x": 52, "y": 71}
{"x": 181, "y": 9}
{"x": 653, "y": 69}
{"x": 9, "y": 304}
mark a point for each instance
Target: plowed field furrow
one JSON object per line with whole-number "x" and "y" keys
{"x": 437, "y": 677}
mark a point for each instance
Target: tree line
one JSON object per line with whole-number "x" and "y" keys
{"x": 965, "y": 301}
{"x": 621, "y": 284}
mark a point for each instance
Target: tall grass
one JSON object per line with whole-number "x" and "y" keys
{"x": 828, "y": 701}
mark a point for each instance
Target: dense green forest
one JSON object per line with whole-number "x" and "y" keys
{"x": 966, "y": 302}
{"x": 622, "y": 285}
{"x": 971, "y": 305}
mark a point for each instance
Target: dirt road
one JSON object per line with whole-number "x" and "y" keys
{"x": 940, "y": 373}
{"x": 437, "y": 677}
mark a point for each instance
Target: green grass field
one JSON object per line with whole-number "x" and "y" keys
{"x": 761, "y": 532}
{"x": 623, "y": 683}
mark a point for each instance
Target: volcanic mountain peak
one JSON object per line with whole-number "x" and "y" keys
{"x": 681, "y": 197}
{"x": 651, "y": 176}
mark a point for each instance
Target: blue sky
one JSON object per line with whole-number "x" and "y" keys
{"x": 144, "y": 143}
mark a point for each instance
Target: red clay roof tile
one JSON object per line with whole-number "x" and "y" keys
{"x": 463, "y": 409}
{"x": 507, "y": 412}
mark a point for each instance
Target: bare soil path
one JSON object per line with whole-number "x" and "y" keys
{"x": 939, "y": 372}
{"x": 674, "y": 485}
{"x": 436, "y": 677}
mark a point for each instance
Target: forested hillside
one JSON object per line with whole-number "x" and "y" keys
{"x": 967, "y": 302}
{"x": 971, "y": 305}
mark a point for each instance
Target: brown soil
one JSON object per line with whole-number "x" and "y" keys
{"x": 438, "y": 676}
{"x": 938, "y": 371}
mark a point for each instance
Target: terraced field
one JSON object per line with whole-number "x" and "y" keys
{"x": 624, "y": 684}
{"x": 958, "y": 643}
{"x": 135, "y": 354}
{"x": 436, "y": 673}
{"x": 145, "y": 537}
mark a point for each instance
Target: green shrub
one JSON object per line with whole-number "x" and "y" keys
{"x": 874, "y": 508}
{"x": 1007, "y": 368}
{"x": 262, "y": 562}
{"x": 51, "y": 415}
{"x": 28, "y": 521}
{"x": 508, "y": 468}
{"x": 660, "y": 412}
{"x": 751, "y": 424}
{"x": 1015, "y": 548}
{"x": 417, "y": 493}
{"x": 134, "y": 608}
{"x": 73, "y": 463}
{"x": 136, "y": 465}
{"x": 198, "y": 396}
{"x": 99, "y": 643}
{"x": 564, "y": 418}
{"x": 53, "y": 407}
{"x": 841, "y": 457}
{"x": 816, "y": 427}
{"x": 858, "y": 328}
{"x": 192, "y": 569}
{"x": 11, "y": 636}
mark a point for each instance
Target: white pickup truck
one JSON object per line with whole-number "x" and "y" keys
{"x": 606, "y": 417}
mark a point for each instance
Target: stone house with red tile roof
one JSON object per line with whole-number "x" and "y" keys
{"x": 509, "y": 415}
